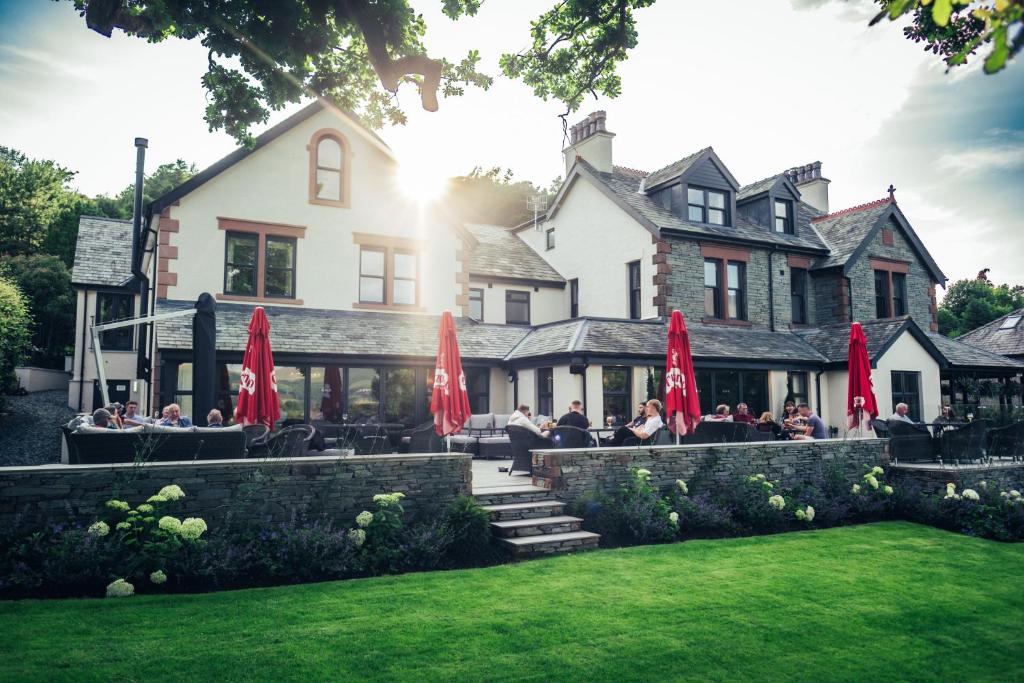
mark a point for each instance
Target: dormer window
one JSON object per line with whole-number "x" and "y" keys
{"x": 707, "y": 206}
{"x": 784, "y": 216}
{"x": 328, "y": 168}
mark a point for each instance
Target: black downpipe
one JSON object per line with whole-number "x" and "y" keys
{"x": 142, "y": 368}
{"x": 81, "y": 363}
{"x": 817, "y": 389}
{"x": 771, "y": 290}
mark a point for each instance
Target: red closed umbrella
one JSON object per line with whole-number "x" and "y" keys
{"x": 682, "y": 405}
{"x": 861, "y": 406}
{"x": 330, "y": 400}
{"x": 450, "y": 401}
{"x": 257, "y": 389}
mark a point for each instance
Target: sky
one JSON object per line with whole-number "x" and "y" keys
{"x": 770, "y": 84}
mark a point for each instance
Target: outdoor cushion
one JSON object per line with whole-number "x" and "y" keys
{"x": 481, "y": 421}
{"x": 462, "y": 438}
{"x": 167, "y": 429}
{"x": 501, "y": 421}
{"x": 92, "y": 429}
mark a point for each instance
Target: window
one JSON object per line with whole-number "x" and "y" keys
{"x": 712, "y": 293}
{"x": 328, "y": 168}
{"x": 707, "y": 206}
{"x": 260, "y": 260}
{"x": 389, "y": 273}
{"x": 737, "y": 274}
{"x": 796, "y": 387}
{"x": 881, "y": 294}
{"x": 363, "y": 396}
{"x": 634, "y": 289}
{"x": 111, "y": 307}
{"x": 550, "y": 239}
{"x": 545, "y": 392}
{"x": 715, "y": 387}
{"x": 617, "y": 390}
{"x": 476, "y": 304}
{"x": 798, "y": 294}
{"x": 906, "y": 389}
{"x": 478, "y": 385}
{"x": 279, "y": 278}
{"x": 899, "y": 294}
{"x": 240, "y": 263}
{"x": 400, "y": 395}
{"x": 1010, "y": 322}
{"x": 784, "y": 216}
{"x": 574, "y": 298}
{"x": 517, "y": 307}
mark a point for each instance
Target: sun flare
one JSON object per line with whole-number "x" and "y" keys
{"x": 420, "y": 181}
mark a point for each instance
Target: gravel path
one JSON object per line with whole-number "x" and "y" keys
{"x": 30, "y": 432}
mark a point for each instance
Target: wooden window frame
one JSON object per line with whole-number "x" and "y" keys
{"x": 262, "y": 230}
{"x": 346, "y": 168}
{"x": 787, "y": 220}
{"x": 111, "y": 340}
{"x": 549, "y": 239}
{"x": 529, "y": 312}
{"x": 390, "y": 246}
{"x": 634, "y": 286}
{"x": 574, "y": 298}
{"x": 481, "y": 300}
{"x": 723, "y": 256}
{"x": 546, "y": 394}
{"x": 915, "y": 398}
{"x": 798, "y": 275}
{"x": 706, "y": 208}
{"x": 889, "y": 268}
{"x": 228, "y": 264}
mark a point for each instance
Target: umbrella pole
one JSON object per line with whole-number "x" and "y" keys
{"x": 448, "y": 442}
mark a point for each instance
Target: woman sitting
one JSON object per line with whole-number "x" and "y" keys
{"x": 767, "y": 423}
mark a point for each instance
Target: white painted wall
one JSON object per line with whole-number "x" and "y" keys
{"x": 906, "y": 354}
{"x": 501, "y": 392}
{"x": 33, "y": 379}
{"x": 547, "y": 304}
{"x": 272, "y": 185}
{"x": 594, "y": 240}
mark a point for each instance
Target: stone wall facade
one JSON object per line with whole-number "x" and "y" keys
{"x": 247, "y": 490}
{"x": 571, "y": 473}
{"x": 932, "y": 480}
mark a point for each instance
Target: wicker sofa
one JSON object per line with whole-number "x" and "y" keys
{"x": 483, "y": 435}
{"x": 93, "y": 445}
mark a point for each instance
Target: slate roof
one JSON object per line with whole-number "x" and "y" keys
{"x": 501, "y": 253}
{"x": 311, "y": 331}
{"x": 757, "y": 188}
{"x": 963, "y": 355}
{"x": 845, "y": 230}
{"x": 832, "y": 341}
{"x": 673, "y": 170}
{"x": 625, "y": 188}
{"x": 103, "y": 252}
{"x": 995, "y": 340}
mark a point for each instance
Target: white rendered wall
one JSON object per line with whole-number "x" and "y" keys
{"x": 907, "y": 354}
{"x": 501, "y": 392}
{"x": 547, "y": 304}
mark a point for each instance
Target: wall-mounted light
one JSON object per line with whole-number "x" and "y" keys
{"x": 511, "y": 376}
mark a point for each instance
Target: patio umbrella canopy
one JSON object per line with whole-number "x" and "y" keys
{"x": 682, "y": 405}
{"x": 861, "y": 406}
{"x": 450, "y": 401}
{"x": 258, "y": 402}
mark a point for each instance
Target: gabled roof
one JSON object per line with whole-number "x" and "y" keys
{"x": 995, "y": 339}
{"x": 307, "y": 112}
{"x": 766, "y": 184}
{"x": 500, "y": 253}
{"x": 962, "y": 356}
{"x": 832, "y": 341}
{"x": 679, "y": 168}
{"x": 849, "y": 234}
{"x": 103, "y": 252}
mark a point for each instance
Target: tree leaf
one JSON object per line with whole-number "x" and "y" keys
{"x": 941, "y": 11}
{"x": 1000, "y": 51}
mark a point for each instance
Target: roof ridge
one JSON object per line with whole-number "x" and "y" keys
{"x": 684, "y": 158}
{"x": 1000, "y": 319}
{"x": 757, "y": 182}
{"x": 855, "y": 209}
{"x": 105, "y": 218}
{"x": 626, "y": 170}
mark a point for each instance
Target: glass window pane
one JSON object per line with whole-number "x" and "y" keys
{"x": 291, "y": 390}
{"x": 328, "y": 154}
{"x": 695, "y": 196}
{"x": 326, "y": 394}
{"x": 184, "y": 382}
{"x": 278, "y": 283}
{"x": 280, "y": 253}
{"x": 716, "y": 200}
{"x": 363, "y": 395}
{"x": 400, "y": 395}
{"x": 734, "y": 275}
{"x": 371, "y": 290}
{"x": 476, "y": 304}
{"x": 716, "y": 216}
{"x": 780, "y": 209}
{"x": 734, "y": 311}
{"x": 707, "y": 405}
{"x": 616, "y": 390}
{"x": 328, "y": 185}
{"x": 184, "y": 402}
{"x": 755, "y": 391}
{"x": 371, "y": 262}
{"x": 242, "y": 281}
{"x": 780, "y": 225}
{"x": 405, "y": 292}
{"x": 727, "y": 388}
{"x": 709, "y": 303}
{"x": 234, "y": 371}
{"x": 405, "y": 265}
{"x": 710, "y": 274}
{"x": 696, "y": 213}
{"x": 242, "y": 249}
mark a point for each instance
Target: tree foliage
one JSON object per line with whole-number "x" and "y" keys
{"x": 14, "y": 332}
{"x": 957, "y": 29}
{"x": 969, "y": 304}
{"x": 46, "y": 284}
{"x": 492, "y": 196}
{"x": 32, "y": 194}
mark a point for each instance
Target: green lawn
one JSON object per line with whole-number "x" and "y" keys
{"x": 892, "y": 601}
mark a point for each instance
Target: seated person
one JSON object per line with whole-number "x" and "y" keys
{"x": 115, "y": 410}
{"x": 575, "y": 416}
{"x": 214, "y": 419}
{"x": 102, "y": 418}
{"x": 743, "y": 414}
{"x": 174, "y": 417}
{"x": 649, "y": 427}
{"x": 814, "y": 428}
{"x": 721, "y": 415}
{"x": 901, "y": 413}
{"x": 132, "y": 417}
{"x": 641, "y": 415}
{"x": 520, "y": 417}
{"x": 789, "y": 413}
{"x": 767, "y": 423}
{"x": 945, "y": 421}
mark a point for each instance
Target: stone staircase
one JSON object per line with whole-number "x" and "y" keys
{"x": 529, "y": 521}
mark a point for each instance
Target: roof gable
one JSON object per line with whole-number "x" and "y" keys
{"x": 993, "y": 337}
{"x": 103, "y": 252}
{"x": 832, "y": 341}
{"x": 679, "y": 171}
{"x": 500, "y": 253}
{"x": 776, "y": 185}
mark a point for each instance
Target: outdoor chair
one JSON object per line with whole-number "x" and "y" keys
{"x": 424, "y": 439}
{"x": 965, "y": 444}
{"x": 368, "y": 440}
{"x": 255, "y": 436}
{"x": 909, "y": 442}
{"x": 1006, "y": 441}
{"x": 717, "y": 432}
{"x": 881, "y": 428}
{"x": 651, "y": 440}
{"x": 147, "y": 444}
{"x": 567, "y": 436}
{"x": 522, "y": 441}
{"x": 755, "y": 433}
{"x": 290, "y": 442}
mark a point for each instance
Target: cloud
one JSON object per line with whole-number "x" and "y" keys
{"x": 994, "y": 158}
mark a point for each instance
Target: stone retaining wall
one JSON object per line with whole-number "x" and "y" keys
{"x": 932, "y": 479}
{"x": 573, "y": 472}
{"x": 250, "y": 490}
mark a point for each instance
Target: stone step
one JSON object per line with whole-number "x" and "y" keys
{"x": 532, "y": 510}
{"x": 560, "y": 524}
{"x": 550, "y": 544}
{"x": 503, "y": 495}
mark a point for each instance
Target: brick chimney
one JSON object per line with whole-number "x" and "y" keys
{"x": 812, "y": 185}
{"x": 591, "y": 140}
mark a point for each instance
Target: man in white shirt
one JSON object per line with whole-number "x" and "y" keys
{"x": 520, "y": 417}
{"x": 901, "y": 413}
{"x": 644, "y": 431}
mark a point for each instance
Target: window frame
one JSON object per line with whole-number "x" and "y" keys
{"x": 626, "y": 395}
{"x": 228, "y": 236}
{"x": 345, "y": 171}
{"x": 787, "y": 220}
{"x": 634, "y": 286}
{"x": 716, "y": 312}
{"x": 911, "y": 398}
{"x": 262, "y": 232}
{"x": 383, "y": 277}
{"x": 740, "y": 289}
{"x": 508, "y": 296}
{"x": 290, "y": 269}
{"x": 898, "y": 285}
{"x": 798, "y": 281}
{"x": 545, "y": 391}
{"x": 574, "y": 298}
{"x": 706, "y": 207}
{"x": 722, "y": 290}
{"x": 122, "y": 338}
{"x": 390, "y": 246}
{"x": 883, "y": 300}
{"x": 793, "y": 395}
{"x": 480, "y": 299}
{"x": 549, "y": 239}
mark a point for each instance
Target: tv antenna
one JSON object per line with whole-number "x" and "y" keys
{"x": 537, "y": 203}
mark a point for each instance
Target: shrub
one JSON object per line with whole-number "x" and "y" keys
{"x": 470, "y": 527}
{"x": 757, "y": 506}
{"x": 635, "y": 514}
{"x": 15, "y": 334}
{"x": 294, "y": 552}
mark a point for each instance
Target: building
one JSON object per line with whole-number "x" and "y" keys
{"x": 1005, "y": 337}
{"x": 311, "y": 224}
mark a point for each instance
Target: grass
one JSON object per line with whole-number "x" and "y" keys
{"x": 892, "y": 601}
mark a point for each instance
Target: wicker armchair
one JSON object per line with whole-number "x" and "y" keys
{"x": 1007, "y": 441}
{"x": 965, "y": 444}
{"x": 290, "y": 442}
{"x": 523, "y": 441}
{"x": 567, "y": 436}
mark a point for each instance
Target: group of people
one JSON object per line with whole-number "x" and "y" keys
{"x": 117, "y": 416}
{"x": 798, "y": 420}
{"x": 645, "y": 425}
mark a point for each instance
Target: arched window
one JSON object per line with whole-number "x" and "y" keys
{"x": 328, "y": 168}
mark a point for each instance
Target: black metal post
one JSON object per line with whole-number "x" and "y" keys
{"x": 204, "y": 359}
